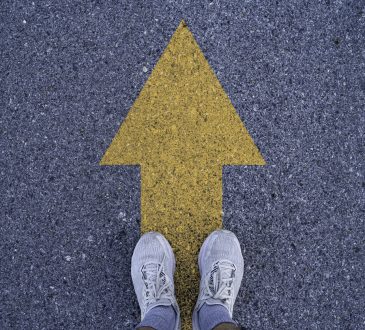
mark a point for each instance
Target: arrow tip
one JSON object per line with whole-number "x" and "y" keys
{"x": 183, "y": 23}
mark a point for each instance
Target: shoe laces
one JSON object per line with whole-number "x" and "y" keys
{"x": 157, "y": 285}
{"x": 219, "y": 282}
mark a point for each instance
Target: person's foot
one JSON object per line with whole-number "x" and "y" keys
{"x": 221, "y": 270}
{"x": 152, "y": 270}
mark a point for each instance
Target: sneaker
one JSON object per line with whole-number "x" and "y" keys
{"x": 221, "y": 270}
{"x": 153, "y": 268}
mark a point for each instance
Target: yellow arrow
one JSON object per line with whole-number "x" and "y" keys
{"x": 182, "y": 129}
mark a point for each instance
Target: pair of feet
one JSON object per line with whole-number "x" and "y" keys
{"x": 220, "y": 265}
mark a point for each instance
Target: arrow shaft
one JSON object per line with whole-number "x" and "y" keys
{"x": 184, "y": 203}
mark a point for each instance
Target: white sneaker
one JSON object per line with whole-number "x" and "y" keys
{"x": 221, "y": 270}
{"x": 153, "y": 267}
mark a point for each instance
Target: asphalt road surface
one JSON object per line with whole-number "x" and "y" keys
{"x": 71, "y": 70}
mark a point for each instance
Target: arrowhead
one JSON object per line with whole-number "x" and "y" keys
{"x": 182, "y": 115}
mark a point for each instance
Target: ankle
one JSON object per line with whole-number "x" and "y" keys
{"x": 211, "y": 316}
{"x": 159, "y": 317}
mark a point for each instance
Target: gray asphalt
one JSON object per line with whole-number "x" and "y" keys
{"x": 70, "y": 71}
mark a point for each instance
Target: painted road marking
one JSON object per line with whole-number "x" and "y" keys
{"x": 182, "y": 129}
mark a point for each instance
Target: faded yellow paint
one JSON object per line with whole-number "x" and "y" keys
{"x": 182, "y": 129}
